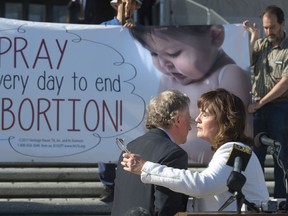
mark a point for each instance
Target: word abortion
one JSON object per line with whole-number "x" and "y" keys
{"x": 52, "y": 115}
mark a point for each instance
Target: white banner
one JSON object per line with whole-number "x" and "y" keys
{"x": 67, "y": 91}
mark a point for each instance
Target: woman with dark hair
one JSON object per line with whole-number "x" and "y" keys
{"x": 221, "y": 122}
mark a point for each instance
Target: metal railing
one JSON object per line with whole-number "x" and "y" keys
{"x": 187, "y": 12}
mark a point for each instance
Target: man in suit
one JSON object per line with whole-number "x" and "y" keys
{"x": 168, "y": 122}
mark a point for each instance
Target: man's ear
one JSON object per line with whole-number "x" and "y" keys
{"x": 218, "y": 35}
{"x": 177, "y": 120}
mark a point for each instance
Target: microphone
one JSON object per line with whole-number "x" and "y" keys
{"x": 263, "y": 139}
{"x": 237, "y": 164}
{"x": 239, "y": 157}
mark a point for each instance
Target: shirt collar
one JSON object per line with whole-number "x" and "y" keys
{"x": 168, "y": 134}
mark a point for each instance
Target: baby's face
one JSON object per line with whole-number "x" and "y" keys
{"x": 187, "y": 59}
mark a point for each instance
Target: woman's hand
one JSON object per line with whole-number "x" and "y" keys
{"x": 133, "y": 163}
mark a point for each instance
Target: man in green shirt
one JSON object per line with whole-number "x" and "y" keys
{"x": 269, "y": 57}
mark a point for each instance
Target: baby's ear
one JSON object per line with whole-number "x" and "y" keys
{"x": 218, "y": 35}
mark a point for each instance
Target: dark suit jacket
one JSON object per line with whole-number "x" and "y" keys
{"x": 130, "y": 192}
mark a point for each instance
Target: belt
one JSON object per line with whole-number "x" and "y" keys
{"x": 277, "y": 100}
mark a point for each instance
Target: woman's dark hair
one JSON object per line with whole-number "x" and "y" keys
{"x": 230, "y": 114}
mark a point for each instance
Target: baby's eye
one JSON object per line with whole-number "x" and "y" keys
{"x": 175, "y": 54}
{"x": 153, "y": 54}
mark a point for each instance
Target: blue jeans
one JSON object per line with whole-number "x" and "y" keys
{"x": 272, "y": 118}
{"x": 107, "y": 174}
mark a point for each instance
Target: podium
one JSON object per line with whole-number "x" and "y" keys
{"x": 229, "y": 213}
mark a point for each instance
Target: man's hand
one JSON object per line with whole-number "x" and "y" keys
{"x": 133, "y": 163}
{"x": 129, "y": 23}
{"x": 252, "y": 29}
{"x": 254, "y": 107}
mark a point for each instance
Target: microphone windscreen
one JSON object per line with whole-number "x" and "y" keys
{"x": 241, "y": 151}
{"x": 257, "y": 139}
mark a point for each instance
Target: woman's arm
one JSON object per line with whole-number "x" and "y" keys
{"x": 209, "y": 182}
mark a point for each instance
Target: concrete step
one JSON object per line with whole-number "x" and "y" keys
{"x": 270, "y": 185}
{"x": 269, "y": 173}
{"x": 50, "y": 189}
{"x": 25, "y": 174}
{"x": 55, "y": 207}
{"x": 64, "y": 189}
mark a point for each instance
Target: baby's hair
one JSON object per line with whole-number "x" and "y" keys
{"x": 143, "y": 34}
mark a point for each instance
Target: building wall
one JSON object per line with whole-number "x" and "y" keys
{"x": 234, "y": 11}
{"x": 35, "y": 10}
{"x": 58, "y": 11}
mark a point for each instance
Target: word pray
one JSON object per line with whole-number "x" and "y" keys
{"x": 17, "y": 48}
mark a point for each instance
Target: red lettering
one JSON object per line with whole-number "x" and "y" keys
{"x": 97, "y": 114}
{"x": 59, "y": 114}
{"x": 106, "y": 110}
{"x": 6, "y": 43}
{"x": 73, "y": 114}
{"x": 7, "y": 110}
{"x": 43, "y": 112}
{"x": 20, "y": 50}
{"x": 46, "y": 56}
{"x": 25, "y": 113}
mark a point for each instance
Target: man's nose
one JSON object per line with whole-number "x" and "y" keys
{"x": 269, "y": 31}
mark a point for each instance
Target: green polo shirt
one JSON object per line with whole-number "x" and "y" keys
{"x": 270, "y": 65}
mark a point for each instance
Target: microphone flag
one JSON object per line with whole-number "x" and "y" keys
{"x": 239, "y": 151}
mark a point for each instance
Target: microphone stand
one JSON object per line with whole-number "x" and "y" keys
{"x": 275, "y": 153}
{"x": 235, "y": 182}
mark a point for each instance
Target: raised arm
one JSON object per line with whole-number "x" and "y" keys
{"x": 253, "y": 30}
